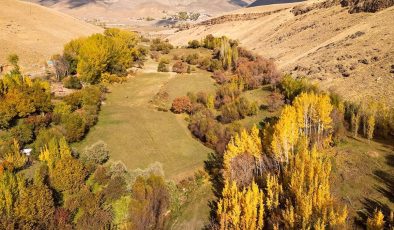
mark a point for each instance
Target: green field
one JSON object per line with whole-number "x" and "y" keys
{"x": 139, "y": 135}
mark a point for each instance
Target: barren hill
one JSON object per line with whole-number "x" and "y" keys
{"x": 352, "y": 54}
{"x": 35, "y": 32}
{"x": 132, "y": 12}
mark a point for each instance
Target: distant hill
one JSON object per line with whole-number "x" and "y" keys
{"x": 352, "y": 54}
{"x": 129, "y": 11}
{"x": 35, "y": 32}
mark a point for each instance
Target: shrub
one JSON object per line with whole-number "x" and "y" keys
{"x": 180, "y": 67}
{"x": 194, "y": 44}
{"x": 181, "y": 105}
{"x": 239, "y": 109}
{"x": 165, "y": 60}
{"x": 192, "y": 59}
{"x": 162, "y": 46}
{"x": 291, "y": 87}
{"x": 155, "y": 55}
{"x": 275, "y": 101}
{"x": 74, "y": 127}
{"x": 220, "y": 77}
{"x": 215, "y": 65}
{"x": 162, "y": 67}
{"x": 230, "y": 113}
{"x": 23, "y": 133}
{"x": 44, "y": 137}
{"x": 112, "y": 78}
{"x": 228, "y": 93}
{"x": 38, "y": 122}
{"x": 257, "y": 72}
{"x": 97, "y": 153}
{"x": 72, "y": 82}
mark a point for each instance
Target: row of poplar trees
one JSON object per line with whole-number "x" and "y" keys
{"x": 279, "y": 179}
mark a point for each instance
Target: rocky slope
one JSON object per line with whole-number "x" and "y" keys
{"x": 352, "y": 54}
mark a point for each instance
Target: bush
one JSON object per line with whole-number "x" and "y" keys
{"x": 72, "y": 82}
{"x": 228, "y": 93}
{"x": 162, "y": 46}
{"x": 214, "y": 134}
{"x": 44, "y": 137}
{"x": 74, "y": 127}
{"x": 155, "y": 55}
{"x": 275, "y": 101}
{"x": 220, "y": 77}
{"x": 239, "y": 109}
{"x": 181, "y": 105}
{"x": 215, "y": 65}
{"x": 162, "y": 67}
{"x": 291, "y": 87}
{"x": 230, "y": 113}
{"x": 112, "y": 78}
{"x": 180, "y": 67}
{"x": 192, "y": 59}
{"x": 194, "y": 44}
{"x": 23, "y": 133}
{"x": 97, "y": 153}
{"x": 257, "y": 72}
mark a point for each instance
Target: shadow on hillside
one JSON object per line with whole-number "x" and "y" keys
{"x": 370, "y": 206}
{"x": 270, "y": 2}
{"x": 387, "y": 179}
{"x": 71, "y": 3}
{"x": 213, "y": 166}
{"x": 386, "y": 190}
{"x": 239, "y": 3}
{"x": 165, "y": 22}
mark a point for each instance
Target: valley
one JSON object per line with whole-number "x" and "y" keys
{"x": 186, "y": 114}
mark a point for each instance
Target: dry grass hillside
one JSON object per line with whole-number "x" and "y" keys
{"x": 35, "y": 32}
{"x": 352, "y": 54}
{"x": 136, "y": 12}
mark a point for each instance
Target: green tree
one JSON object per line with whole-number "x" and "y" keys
{"x": 13, "y": 59}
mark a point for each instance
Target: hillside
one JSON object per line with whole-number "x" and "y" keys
{"x": 134, "y": 12}
{"x": 35, "y": 32}
{"x": 347, "y": 53}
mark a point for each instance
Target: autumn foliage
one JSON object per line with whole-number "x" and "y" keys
{"x": 181, "y": 105}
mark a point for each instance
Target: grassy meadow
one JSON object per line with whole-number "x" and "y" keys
{"x": 139, "y": 135}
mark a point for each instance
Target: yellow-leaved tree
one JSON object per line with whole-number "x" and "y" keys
{"x": 238, "y": 210}
{"x": 16, "y": 157}
{"x": 241, "y": 154}
{"x": 285, "y": 134}
{"x": 313, "y": 116}
{"x": 309, "y": 203}
{"x": 376, "y": 222}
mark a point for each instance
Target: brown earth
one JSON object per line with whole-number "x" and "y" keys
{"x": 352, "y": 54}
{"x": 35, "y": 33}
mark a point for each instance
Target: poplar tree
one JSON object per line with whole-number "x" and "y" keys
{"x": 240, "y": 210}
{"x": 376, "y": 222}
{"x": 285, "y": 134}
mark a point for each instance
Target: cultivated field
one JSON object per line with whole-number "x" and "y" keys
{"x": 139, "y": 135}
